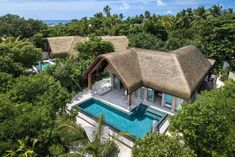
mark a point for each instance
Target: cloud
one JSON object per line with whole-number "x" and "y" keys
{"x": 125, "y": 6}
{"x": 160, "y": 3}
{"x": 169, "y": 12}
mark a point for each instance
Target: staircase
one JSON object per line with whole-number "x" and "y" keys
{"x": 154, "y": 114}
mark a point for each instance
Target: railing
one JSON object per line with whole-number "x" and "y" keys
{"x": 162, "y": 121}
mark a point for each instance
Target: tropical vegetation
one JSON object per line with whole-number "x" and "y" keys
{"x": 207, "y": 125}
{"x": 76, "y": 138}
{"x": 33, "y": 116}
{"x": 157, "y": 145}
{"x": 94, "y": 47}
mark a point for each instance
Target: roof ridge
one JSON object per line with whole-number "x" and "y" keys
{"x": 61, "y": 37}
{"x": 179, "y": 66}
{"x": 71, "y": 42}
{"x": 136, "y": 53}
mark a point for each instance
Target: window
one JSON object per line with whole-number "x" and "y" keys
{"x": 142, "y": 92}
{"x": 179, "y": 101}
{"x": 149, "y": 94}
{"x": 168, "y": 100}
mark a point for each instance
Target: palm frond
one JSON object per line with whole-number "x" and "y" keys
{"x": 10, "y": 153}
{"x": 34, "y": 142}
{"x": 71, "y": 133}
{"x": 99, "y": 126}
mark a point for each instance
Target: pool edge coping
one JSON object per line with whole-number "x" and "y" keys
{"x": 106, "y": 102}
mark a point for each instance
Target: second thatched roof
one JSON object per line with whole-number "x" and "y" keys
{"x": 65, "y": 45}
{"x": 179, "y": 72}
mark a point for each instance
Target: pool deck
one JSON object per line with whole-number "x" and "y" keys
{"x": 117, "y": 99}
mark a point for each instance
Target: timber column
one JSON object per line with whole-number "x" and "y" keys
{"x": 129, "y": 99}
{"x": 173, "y": 104}
{"x": 163, "y": 100}
{"x": 90, "y": 81}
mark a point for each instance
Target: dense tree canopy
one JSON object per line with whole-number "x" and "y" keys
{"x": 207, "y": 125}
{"x": 13, "y": 25}
{"x": 147, "y": 41}
{"x": 29, "y": 108}
{"x": 93, "y": 47}
{"x": 216, "y": 35}
{"x": 70, "y": 73}
{"x": 5, "y": 81}
{"x": 15, "y": 56}
{"x": 38, "y": 40}
{"x": 157, "y": 145}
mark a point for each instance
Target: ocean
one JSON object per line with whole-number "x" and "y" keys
{"x": 55, "y": 22}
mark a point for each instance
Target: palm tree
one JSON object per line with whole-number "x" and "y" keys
{"x": 107, "y": 10}
{"x": 200, "y": 13}
{"x": 167, "y": 22}
{"x": 97, "y": 147}
{"x": 23, "y": 150}
{"x": 184, "y": 18}
{"x": 71, "y": 134}
{"x": 147, "y": 15}
{"x": 75, "y": 137}
{"x": 216, "y": 10}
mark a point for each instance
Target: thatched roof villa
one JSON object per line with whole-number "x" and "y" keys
{"x": 155, "y": 74}
{"x": 165, "y": 79}
{"x": 65, "y": 45}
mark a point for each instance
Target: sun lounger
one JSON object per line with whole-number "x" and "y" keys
{"x": 103, "y": 90}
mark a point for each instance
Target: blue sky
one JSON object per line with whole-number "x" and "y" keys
{"x": 72, "y": 9}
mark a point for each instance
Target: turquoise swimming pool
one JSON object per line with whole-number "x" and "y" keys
{"x": 137, "y": 124}
{"x": 43, "y": 66}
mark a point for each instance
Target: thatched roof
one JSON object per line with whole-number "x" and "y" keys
{"x": 61, "y": 46}
{"x": 120, "y": 43}
{"x": 179, "y": 72}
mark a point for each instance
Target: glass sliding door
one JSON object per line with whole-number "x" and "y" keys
{"x": 150, "y": 94}
{"x": 116, "y": 83}
{"x": 142, "y": 92}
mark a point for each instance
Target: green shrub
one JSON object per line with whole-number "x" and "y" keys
{"x": 158, "y": 145}
{"x": 207, "y": 125}
{"x": 224, "y": 75}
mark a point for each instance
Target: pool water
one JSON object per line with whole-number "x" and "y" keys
{"x": 137, "y": 124}
{"x": 43, "y": 66}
